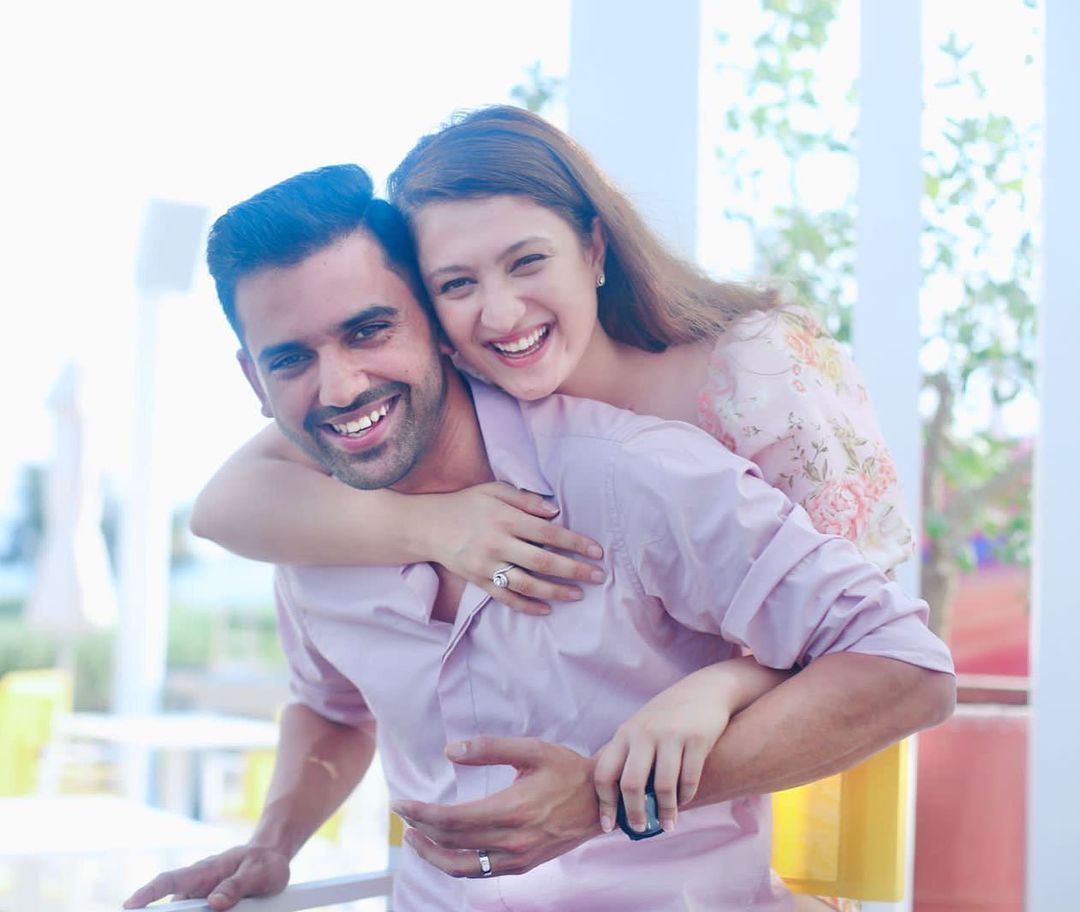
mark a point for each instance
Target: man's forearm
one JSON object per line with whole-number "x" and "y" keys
{"x": 838, "y": 711}
{"x": 318, "y": 764}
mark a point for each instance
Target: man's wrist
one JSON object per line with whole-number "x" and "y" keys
{"x": 278, "y": 836}
{"x": 593, "y": 800}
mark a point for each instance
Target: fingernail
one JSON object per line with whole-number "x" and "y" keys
{"x": 457, "y": 749}
{"x": 667, "y": 824}
{"x": 577, "y": 595}
{"x": 597, "y": 576}
{"x": 607, "y": 824}
{"x": 595, "y": 551}
{"x": 551, "y": 508}
{"x": 215, "y": 897}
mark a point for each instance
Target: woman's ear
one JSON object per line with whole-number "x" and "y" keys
{"x": 597, "y": 248}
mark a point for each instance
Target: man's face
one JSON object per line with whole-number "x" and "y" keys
{"x": 342, "y": 356}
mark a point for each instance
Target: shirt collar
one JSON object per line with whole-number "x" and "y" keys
{"x": 507, "y": 438}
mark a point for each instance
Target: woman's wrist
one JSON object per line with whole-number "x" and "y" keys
{"x": 422, "y": 538}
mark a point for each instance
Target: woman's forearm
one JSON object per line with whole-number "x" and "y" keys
{"x": 743, "y": 680}
{"x": 270, "y": 502}
{"x": 839, "y": 710}
{"x": 266, "y": 504}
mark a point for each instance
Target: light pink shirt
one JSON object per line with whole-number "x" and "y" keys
{"x": 703, "y": 559}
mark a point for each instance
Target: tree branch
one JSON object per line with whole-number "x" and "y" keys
{"x": 936, "y": 432}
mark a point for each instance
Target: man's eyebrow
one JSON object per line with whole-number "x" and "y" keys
{"x": 298, "y": 345}
{"x": 282, "y": 348}
{"x": 509, "y": 251}
{"x": 368, "y": 313}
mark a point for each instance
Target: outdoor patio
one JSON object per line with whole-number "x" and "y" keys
{"x": 94, "y": 804}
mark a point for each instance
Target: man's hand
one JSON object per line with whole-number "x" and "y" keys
{"x": 222, "y": 879}
{"x": 550, "y": 809}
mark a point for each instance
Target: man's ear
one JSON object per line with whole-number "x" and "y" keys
{"x": 597, "y": 248}
{"x": 252, "y": 375}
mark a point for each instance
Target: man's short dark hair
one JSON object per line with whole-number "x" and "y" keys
{"x": 286, "y": 223}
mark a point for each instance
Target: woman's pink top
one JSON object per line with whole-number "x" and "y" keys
{"x": 784, "y": 394}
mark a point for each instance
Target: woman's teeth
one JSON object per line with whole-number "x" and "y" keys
{"x": 364, "y": 422}
{"x": 522, "y": 344}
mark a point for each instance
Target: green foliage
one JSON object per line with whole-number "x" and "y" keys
{"x": 198, "y": 639}
{"x": 191, "y": 635}
{"x": 979, "y": 324}
{"x": 94, "y": 656}
{"x": 978, "y": 170}
{"x": 811, "y": 250}
{"x": 978, "y": 234}
{"x": 22, "y": 648}
{"x": 538, "y": 90}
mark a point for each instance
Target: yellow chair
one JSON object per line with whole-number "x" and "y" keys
{"x": 30, "y": 702}
{"x": 845, "y": 835}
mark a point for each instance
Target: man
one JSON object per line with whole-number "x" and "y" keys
{"x": 319, "y": 282}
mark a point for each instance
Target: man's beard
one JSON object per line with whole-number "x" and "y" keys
{"x": 417, "y": 414}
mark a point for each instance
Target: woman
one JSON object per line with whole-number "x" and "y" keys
{"x": 545, "y": 280}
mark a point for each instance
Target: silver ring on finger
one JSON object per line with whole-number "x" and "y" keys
{"x": 485, "y": 863}
{"x": 499, "y": 577}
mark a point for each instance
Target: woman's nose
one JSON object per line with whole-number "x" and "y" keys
{"x": 500, "y": 311}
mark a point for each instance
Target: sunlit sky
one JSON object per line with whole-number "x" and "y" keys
{"x": 111, "y": 103}
{"x": 205, "y": 102}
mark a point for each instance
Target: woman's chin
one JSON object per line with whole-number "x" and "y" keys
{"x": 529, "y": 395}
{"x": 521, "y": 387}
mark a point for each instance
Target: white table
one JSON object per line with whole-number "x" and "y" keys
{"x": 45, "y": 839}
{"x": 184, "y": 742}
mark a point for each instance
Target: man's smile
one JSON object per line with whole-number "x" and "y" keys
{"x": 359, "y": 429}
{"x": 364, "y": 422}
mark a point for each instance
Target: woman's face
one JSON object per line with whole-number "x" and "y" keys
{"x": 514, "y": 286}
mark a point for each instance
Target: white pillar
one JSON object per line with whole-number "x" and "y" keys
{"x": 1053, "y": 806}
{"x": 888, "y": 226}
{"x": 172, "y": 237}
{"x": 632, "y": 100}
{"x": 887, "y": 229}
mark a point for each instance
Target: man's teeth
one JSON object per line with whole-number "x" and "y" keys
{"x": 363, "y": 422}
{"x": 523, "y": 343}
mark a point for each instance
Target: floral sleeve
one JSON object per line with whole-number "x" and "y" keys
{"x": 784, "y": 394}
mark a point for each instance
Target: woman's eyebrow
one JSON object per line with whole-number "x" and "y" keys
{"x": 509, "y": 251}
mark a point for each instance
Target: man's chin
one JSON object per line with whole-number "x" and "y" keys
{"x": 368, "y": 474}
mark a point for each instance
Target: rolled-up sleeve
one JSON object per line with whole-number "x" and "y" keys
{"x": 314, "y": 681}
{"x": 728, "y": 554}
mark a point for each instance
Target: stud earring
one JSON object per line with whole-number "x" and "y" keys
{"x": 600, "y": 280}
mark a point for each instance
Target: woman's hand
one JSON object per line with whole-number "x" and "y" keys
{"x": 672, "y": 736}
{"x": 479, "y": 530}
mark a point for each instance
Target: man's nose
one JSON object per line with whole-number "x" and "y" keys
{"x": 341, "y": 380}
{"x": 500, "y": 310}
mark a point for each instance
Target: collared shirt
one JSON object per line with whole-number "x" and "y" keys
{"x": 704, "y": 559}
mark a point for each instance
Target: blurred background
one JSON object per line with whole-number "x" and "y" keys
{"x": 130, "y": 123}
